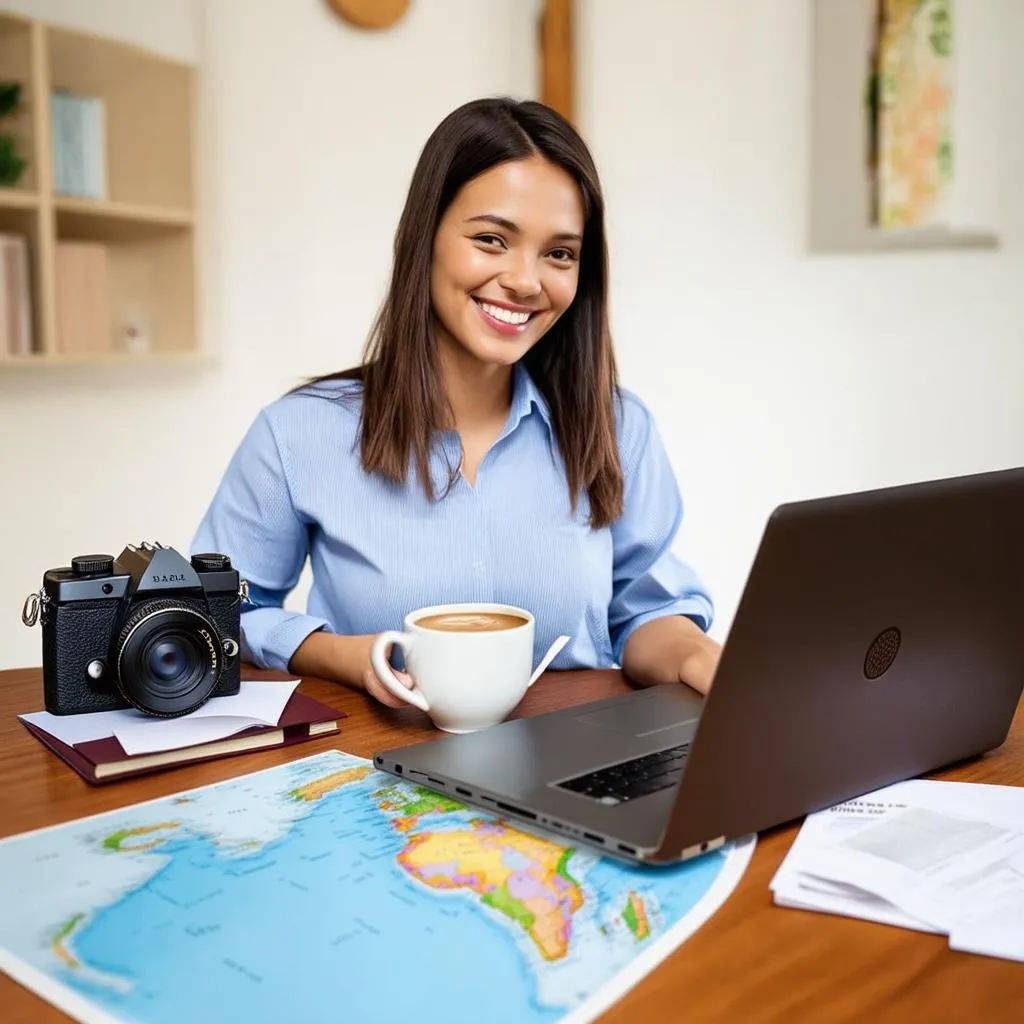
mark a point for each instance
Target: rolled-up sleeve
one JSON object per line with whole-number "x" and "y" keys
{"x": 649, "y": 581}
{"x": 252, "y": 519}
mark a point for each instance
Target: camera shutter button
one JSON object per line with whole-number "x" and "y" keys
{"x": 211, "y": 563}
{"x": 87, "y": 565}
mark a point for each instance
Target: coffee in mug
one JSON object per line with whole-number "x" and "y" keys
{"x": 471, "y": 621}
{"x": 471, "y": 664}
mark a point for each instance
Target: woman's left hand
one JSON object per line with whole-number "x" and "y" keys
{"x": 698, "y": 667}
{"x": 671, "y": 650}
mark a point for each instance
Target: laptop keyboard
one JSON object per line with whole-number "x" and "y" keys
{"x": 631, "y": 779}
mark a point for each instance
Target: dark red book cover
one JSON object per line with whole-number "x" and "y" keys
{"x": 99, "y": 761}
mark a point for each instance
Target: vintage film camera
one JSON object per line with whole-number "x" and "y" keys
{"x": 149, "y": 629}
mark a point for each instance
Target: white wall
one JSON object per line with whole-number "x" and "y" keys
{"x": 776, "y": 374}
{"x": 791, "y": 375}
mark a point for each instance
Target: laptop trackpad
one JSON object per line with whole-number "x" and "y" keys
{"x": 643, "y": 717}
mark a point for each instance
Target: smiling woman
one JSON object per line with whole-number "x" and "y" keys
{"x": 505, "y": 207}
{"x": 537, "y": 267}
{"x": 500, "y": 281}
{"x": 483, "y": 450}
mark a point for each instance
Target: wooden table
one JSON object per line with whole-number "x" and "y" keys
{"x": 751, "y": 962}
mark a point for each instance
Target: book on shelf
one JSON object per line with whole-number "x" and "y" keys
{"x": 78, "y": 136}
{"x": 15, "y": 296}
{"x": 83, "y": 308}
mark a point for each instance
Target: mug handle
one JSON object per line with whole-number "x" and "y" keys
{"x": 382, "y": 670}
{"x": 549, "y": 657}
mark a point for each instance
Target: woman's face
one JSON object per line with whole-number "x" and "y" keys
{"x": 506, "y": 259}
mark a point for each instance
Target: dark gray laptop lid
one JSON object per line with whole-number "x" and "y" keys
{"x": 880, "y": 635}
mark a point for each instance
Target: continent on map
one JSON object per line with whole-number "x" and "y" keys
{"x": 58, "y": 945}
{"x": 520, "y": 875}
{"x": 120, "y": 841}
{"x": 409, "y": 807}
{"x": 319, "y": 788}
{"x": 635, "y": 916}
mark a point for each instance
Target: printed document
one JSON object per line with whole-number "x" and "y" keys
{"x": 944, "y": 857}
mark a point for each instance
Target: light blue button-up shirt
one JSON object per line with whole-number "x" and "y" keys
{"x": 295, "y": 489}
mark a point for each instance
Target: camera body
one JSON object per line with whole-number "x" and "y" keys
{"x": 149, "y": 629}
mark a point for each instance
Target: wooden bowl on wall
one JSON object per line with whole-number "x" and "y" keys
{"x": 374, "y": 14}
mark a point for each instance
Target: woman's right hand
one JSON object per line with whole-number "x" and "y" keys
{"x": 344, "y": 659}
{"x": 378, "y": 691}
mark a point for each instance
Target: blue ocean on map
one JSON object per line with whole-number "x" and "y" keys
{"x": 397, "y": 956}
{"x": 324, "y": 923}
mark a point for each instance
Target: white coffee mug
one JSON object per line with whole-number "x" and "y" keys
{"x": 464, "y": 679}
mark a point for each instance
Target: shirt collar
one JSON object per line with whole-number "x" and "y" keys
{"x": 526, "y": 397}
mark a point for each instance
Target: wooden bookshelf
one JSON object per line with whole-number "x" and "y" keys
{"x": 139, "y": 219}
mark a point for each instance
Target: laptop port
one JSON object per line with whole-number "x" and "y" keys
{"x": 593, "y": 838}
{"x": 512, "y": 809}
{"x": 462, "y": 792}
{"x": 627, "y": 849}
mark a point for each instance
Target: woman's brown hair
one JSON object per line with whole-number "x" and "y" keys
{"x": 573, "y": 365}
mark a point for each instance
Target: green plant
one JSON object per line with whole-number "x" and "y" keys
{"x": 12, "y": 164}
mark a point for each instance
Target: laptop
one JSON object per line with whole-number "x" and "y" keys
{"x": 878, "y": 637}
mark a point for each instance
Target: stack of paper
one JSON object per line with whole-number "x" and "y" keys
{"x": 255, "y": 704}
{"x": 945, "y": 857}
{"x": 109, "y": 745}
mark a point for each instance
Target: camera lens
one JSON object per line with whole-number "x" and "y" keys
{"x": 168, "y": 658}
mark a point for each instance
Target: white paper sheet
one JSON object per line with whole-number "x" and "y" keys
{"x": 793, "y": 887}
{"x": 805, "y": 892}
{"x": 938, "y": 856}
{"x": 256, "y": 703}
{"x": 72, "y": 729}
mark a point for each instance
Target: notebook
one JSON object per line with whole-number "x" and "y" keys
{"x": 104, "y": 760}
